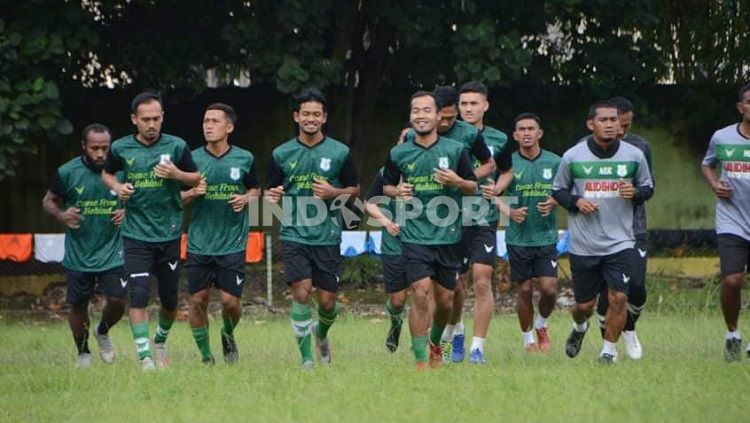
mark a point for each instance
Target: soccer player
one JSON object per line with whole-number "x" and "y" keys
{"x": 217, "y": 238}
{"x": 532, "y": 231}
{"x": 434, "y": 172}
{"x": 730, "y": 148}
{"x": 156, "y": 166}
{"x": 93, "y": 247}
{"x": 311, "y": 164}
{"x": 479, "y": 237}
{"x": 598, "y": 182}
{"x": 637, "y": 289}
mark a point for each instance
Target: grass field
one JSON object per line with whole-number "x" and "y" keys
{"x": 682, "y": 377}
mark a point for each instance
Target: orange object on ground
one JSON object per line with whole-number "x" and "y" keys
{"x": 16, "y": 247}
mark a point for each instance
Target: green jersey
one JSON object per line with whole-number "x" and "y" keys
{"x": 294, "y": 165}
{"x": 497, "y": 144}
{"x": 390, "y": 245}
{"x": 216, "y": 229}
{"x": 154, "y": 212}
{"x": 437, "y": 223}
{"x": 532, "y": 183}
{"x": 96, "y": 245}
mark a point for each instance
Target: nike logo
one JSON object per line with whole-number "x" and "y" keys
{"x": 488, "y": 248}
{"x": 123, "y": 282}
{"x": 518, "y": 175}
{"x": 553, "y": 263}
{"x": 642, "y": 253}
{"x": 588, "y": 169}
{"x": 173, "y": 266}
{"x": 238, "y": 280}
{"x": 625, "y": 278}
{"x": 79, "y": 190}
{"x": 130, "y": 161}
{"x": 730, "y": 151}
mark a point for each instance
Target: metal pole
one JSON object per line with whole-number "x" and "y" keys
{"x": 269, "y": 272}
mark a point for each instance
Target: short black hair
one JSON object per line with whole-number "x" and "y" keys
{"x": 446, "y": 95}
{"x": 473, "y": 87}
{"x": 228, "y": 110}
{"x": 94, "y": 127}
{"x": 145, "y": 97}
{"x": 743, "y": 89}
{"x": 528, "y": 115}
{"x": 308, "y": 95}
{"x": 423, "y": 93}
{"x": 601, "y": 104}
{"x": 623, "y": 104}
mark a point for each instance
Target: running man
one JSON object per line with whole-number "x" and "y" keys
{"x": 156, "y": 166}
{"x": 532, "y": 231}
{"x": 730, "y": 148}
{"x": 430, "y": 173}
{"x": 311, "y": 165}
{"x": 598, "y": 182}
{"x": 219, "y": 225}
{"x": 93, "y": 246}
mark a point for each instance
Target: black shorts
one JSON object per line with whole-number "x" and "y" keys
{"x": 145, "y": 259}
{"x": 438, "y": 262}
{"x": 532, "y": 262}
{"x": 734, "y": 254}
{"x": 478, "y": 245}
{"x": 225, "y": 272}
{"x": 81, "y": 285}
{"x": 321, "y": 263}
{"x": 592, "y": 274}
{"x": 394, "y": 273}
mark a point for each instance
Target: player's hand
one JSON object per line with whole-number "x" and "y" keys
{"x": 519, "y": 215}
{"x": 545, "y": 207}
{"x": 322, "y": 189}
{"x": 393, "y": 228}
{"x": 447, "y": 177}
{"x": 71, "y": 217}
{"x": 722, "y": 189}
{"x": 488, "y": 190}
{"x": 627, "y": 190}
{"x": 117, "y": 216}
{"x": 586, "y": 206}
{"x": 201, "y": 188}
{"x": 405, "y": 190}
{"x": 124, "y": 191}
{"x": 166, "y": 170}
{"x": 273, "y": 195}
{"x": 238, "y": 202}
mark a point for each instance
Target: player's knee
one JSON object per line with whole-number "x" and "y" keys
{"x": 525, "y": 290}
{"x": 169, "y": 302}
{"x": 116, "y": 303}
{"x": 585, "y": 307}
{"x": 198, "y": 301}
{"x": 482, "y": 287}
{"x": 139, "y": 295}
{"x": 548, "y": 290}
{"x": 617, "y": 299}
{"x": 398, "y": 300}
{"x": 80, "y": 306}
{"x": 733, "y": 282}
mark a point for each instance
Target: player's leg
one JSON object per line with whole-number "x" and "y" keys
{"x": 325, "y": 276}
{"x": 453, "y": 338}
{"x": 520, "y": 260}
{"x": 545, "y": 272}
{"x": 231, "y": 283}
{"x": 396, "y": 287}
{"x": 482, "y": 253}
{"x": 298, "y": 271}
{"x": 586, "y": 271}
{"x": 200, "y": 274}
{"x": 80, "y": 286}
{"x": 167, "y": 271}
{"x": 114, "y": 283}
{"x": 446, "y": 265}
{"x": 139, "y": 261}
{"x": 601, "y": 310}
{"x": 636, "y": 298}
{"x": 418, "y": 261}
{"x": 617, "y": 273}
{"x": 734, "y": 254}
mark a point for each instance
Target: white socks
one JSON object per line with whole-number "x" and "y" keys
{"x": 477, "y": 343}
{"x": 447, "y": 335}
{"x": 528, "y": 338}
{"x": 609, "y": 348}
{"x": 582, "y": 327}
{"x": 541, "y": 322}
{"x": 733, "y": 334}
{"x": 459, "y": 328}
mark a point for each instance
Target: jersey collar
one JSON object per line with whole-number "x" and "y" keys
{"x": 311, "y": 146}
{"x": 740, "y": 132}
{"x": 135, "y": 138}
{"x": 217, "y": 157}
{"x": 600, "y": 152}
{"x": 95, "y": 169}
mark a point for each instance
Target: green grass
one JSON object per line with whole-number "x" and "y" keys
{"x": 681, "y": 378}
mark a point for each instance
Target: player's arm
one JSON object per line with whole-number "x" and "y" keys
{"x": 188, "y": 194}
{"x": 483, "y": 154}
{"x": 561, "y": 191}
{"x": 274, "y": 182}
{"x": 708, "y": 169}
{"x": 392, "y": 185}
{"x": 250, "y": 181}
{"x": 184, "y": 171}
{"x": 376, "y": 192}
{"x": 53, "y": 201}
{"x": 504, "y": 163}
{"x": 463, "y": 178}
{"x": 112, "y": 165}
{"x": 644, "y": 185}
{"x": 349, "y": 179}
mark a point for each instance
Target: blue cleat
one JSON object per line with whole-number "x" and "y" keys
{"x": 458, "y": 348}
{"x": 476, "y": 356}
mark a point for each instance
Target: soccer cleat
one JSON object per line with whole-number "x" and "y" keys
{"x": 632, "y": 345}
{"x": 748, "y": 350}
{"x": 106, "y": 350}
{"x": 543, "y": 337}
{"x": 322, "y": 348}
{"x": 447, "y": 349}
{"x": 607, "y": 359}
{"x": 421, "y": 366}
{"x": 732, "y": 348}
{"x": 394, "y": 333}
{"x": 84, "y": 361}
{"x": 459, "y": 351}
{"x": 308, "y": 365}
{"x": 574, "y": 342}
{"x": 476, "y": 356}
{"x": 531, "y": 348}
{"x": 161, "y": 355}
{"x": 436, "y": 355}
{"x": 229, "y": 348}
{"x": 209, "y": 361}
{"x": 147, "y": 364}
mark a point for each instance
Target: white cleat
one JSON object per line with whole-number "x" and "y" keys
{"x": 161, "y": 355}
{"x": 147, "y": 365}
{"x": 84, "y": 361}
{"x": 632, "y": 345}
{"x": 106, "y": 350}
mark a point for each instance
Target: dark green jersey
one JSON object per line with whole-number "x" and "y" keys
{"x": 216, "y": 229}
{"x": 96, "y": 245}
{"x": 390, "y": 245}
{"x": 468, "y": 135}
{"x": 294, "y": 165}
{"x": 154, "y": 212}
{"x": 497, "y": 144}
{"x": 437, "y": 223}
{"x": 532, "y": 183}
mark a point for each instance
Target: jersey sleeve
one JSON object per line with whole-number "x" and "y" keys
{"x": 504, "y": 159}
{"x": 562, "y": 184}
{"x": 464, "y": 169}
{"x": 186, "y": 163}
{"x": 711, "y": 158}
{"x": 251, "y": 178}
{"x": 479, "y": 149}
{"x": 114, "y": 162}
{"x": 643, "y": 182}
{"x": 376, "y": 190}
{"x": 348, "y": 174}
{"x": 275, "y": 174}
{"x": 391, "y": 173}
{"x": 56, "y": 186}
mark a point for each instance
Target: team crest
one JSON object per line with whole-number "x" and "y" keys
{"x": 547, "y": 173}
{"x": 234, "y": 173}
{"x": 164, "y": 158}
{"x": 325, "y": 164}
{"x": 443, "y": 162}
{"x": 622, "y": 170}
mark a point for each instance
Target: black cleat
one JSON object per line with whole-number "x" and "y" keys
{"x": 733, "y": 350}
{"x": 607, "y": 359}
{"x": 574, "y": 342}
{"x": 229, "y": 348}
{"x": 394, "y": 333}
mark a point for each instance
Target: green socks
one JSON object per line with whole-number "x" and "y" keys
{"x": 325, "y": 320}
{"x": 201, "y": 339}
{"x": 229, "y": 325}
{"x": 419, "y": 346}
{"x": 162, "y": 330}
{"x": 395, "y": 314}
{"x": 301, "y": 322}
{"x": 435, "y": 333}
{"x": 140, "y": 335}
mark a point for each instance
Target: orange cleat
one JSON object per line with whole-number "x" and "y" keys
{"x": 421, "y": 366}
{"x": 436, "y": 355}
{"x": 543, "y": 337}
{"x": 531, "y": 348}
